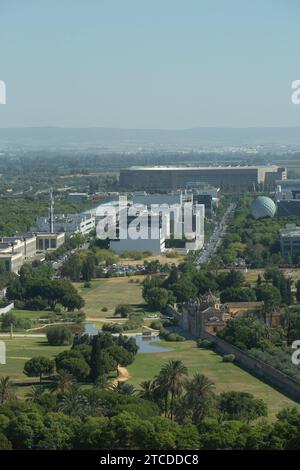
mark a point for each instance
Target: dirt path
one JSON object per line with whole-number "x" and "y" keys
{"x": 51, "y": 324}
{"x": 105, "y": 319}
{"x": 123, "y": 375}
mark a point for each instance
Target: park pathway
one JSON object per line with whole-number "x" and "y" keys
{"x": 122, "y": 377}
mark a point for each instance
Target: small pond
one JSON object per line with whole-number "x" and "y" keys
{"x": 145, "y": 344}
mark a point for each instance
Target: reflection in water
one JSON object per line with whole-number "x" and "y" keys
{"x": 145, "y": 344}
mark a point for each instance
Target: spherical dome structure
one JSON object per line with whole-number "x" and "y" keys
{"x": 263, "y": 207}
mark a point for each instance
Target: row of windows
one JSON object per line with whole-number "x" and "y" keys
{"x": 45, "y": 244}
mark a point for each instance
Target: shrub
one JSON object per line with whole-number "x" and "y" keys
{"x": 87, "y": 285}
{"x": 59, "y": 336}
{"x": 99, "y": 273}
{"x": 104, "y": 309}
{"x": 77, "y": 317}
{"x": 205, "y": 343}
{"x": 37, "y": 303}
{"x": 112, "y": 327}
{"x": 167, "y": 336}
{"x": 58, "y": 308}
{"x": 171, "y": 254}
{"x": 228, "y": 358}
{"x": 156, "y": 324}
{"x": 123, "y": 310}
{"x": 9, "y": 318}
{"x": 19, "y": 304}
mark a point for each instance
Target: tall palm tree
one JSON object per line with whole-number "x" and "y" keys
{"x": 199, "y": 386}
{"x": 6, "y": 390}
{"x": 62, "y": 382}
{"x": 198, "y": 390}
{"x": 170, "y": 381}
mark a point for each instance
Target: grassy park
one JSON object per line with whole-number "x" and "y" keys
{"x": 108, "y": 293}
{"x": 19, "y": 350}
{"x": 125, "y": 290}
{"x": 252, "y": 274}
{"x": 226, "y": 376}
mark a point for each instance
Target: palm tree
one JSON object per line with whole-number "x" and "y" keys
{"x": 198, "y": 390}
{"x": 95, "y": 406}
{"x": 6, "y": 390}
{"x": 35, "y": 393}
{"x": 147, "y": 390}
{"x": 123, "y": 387}
{"x": 73, "y": 403}
{"x": 62, "y": 382}
{"x": 199, "y": 386}
{"x": 171, "y": 381}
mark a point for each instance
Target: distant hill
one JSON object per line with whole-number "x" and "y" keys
{"x": 149, "y": 138}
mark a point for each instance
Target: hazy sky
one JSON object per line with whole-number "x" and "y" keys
{"x": 149, "y": 63}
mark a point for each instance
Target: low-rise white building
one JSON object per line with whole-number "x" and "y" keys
{"x": 12, "y": 261}
{"x": 49, "y": 241}
{"x": 72, "y": 223}
{"x": 23, "y": 247}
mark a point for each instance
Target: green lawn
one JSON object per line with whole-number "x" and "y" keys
{"x": 109, "y": 293}
{"x": 226, "y": 376}
{"x": 252, "y": 274}
{"x": 33, "y": 315}
{"x": 19, "y": 350}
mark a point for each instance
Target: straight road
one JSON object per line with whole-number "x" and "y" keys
{"x": 210, "y": 248}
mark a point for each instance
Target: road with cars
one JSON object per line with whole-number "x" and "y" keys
{"x": 210, "y": 248}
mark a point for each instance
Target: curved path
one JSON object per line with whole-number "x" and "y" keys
{"x": 124, "y": 375}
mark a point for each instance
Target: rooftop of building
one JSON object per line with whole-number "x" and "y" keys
{"x": 228, "y": 167}
{"x": 292, "y": 231}
{"x": 288, "y": 182}
{"x": 78, "y": 194}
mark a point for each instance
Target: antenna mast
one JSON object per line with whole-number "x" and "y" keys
{"x": 51, "y": 213}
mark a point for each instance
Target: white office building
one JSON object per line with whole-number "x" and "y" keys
{"x": 71, "y": 223}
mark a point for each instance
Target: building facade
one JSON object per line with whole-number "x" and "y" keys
{"x": 288, "y": 198}
{"x": 234, "y": 178}
{"x": 290, "y": 241}
{"x": 49, "y": 241}
{"x": 23, "y": 247}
